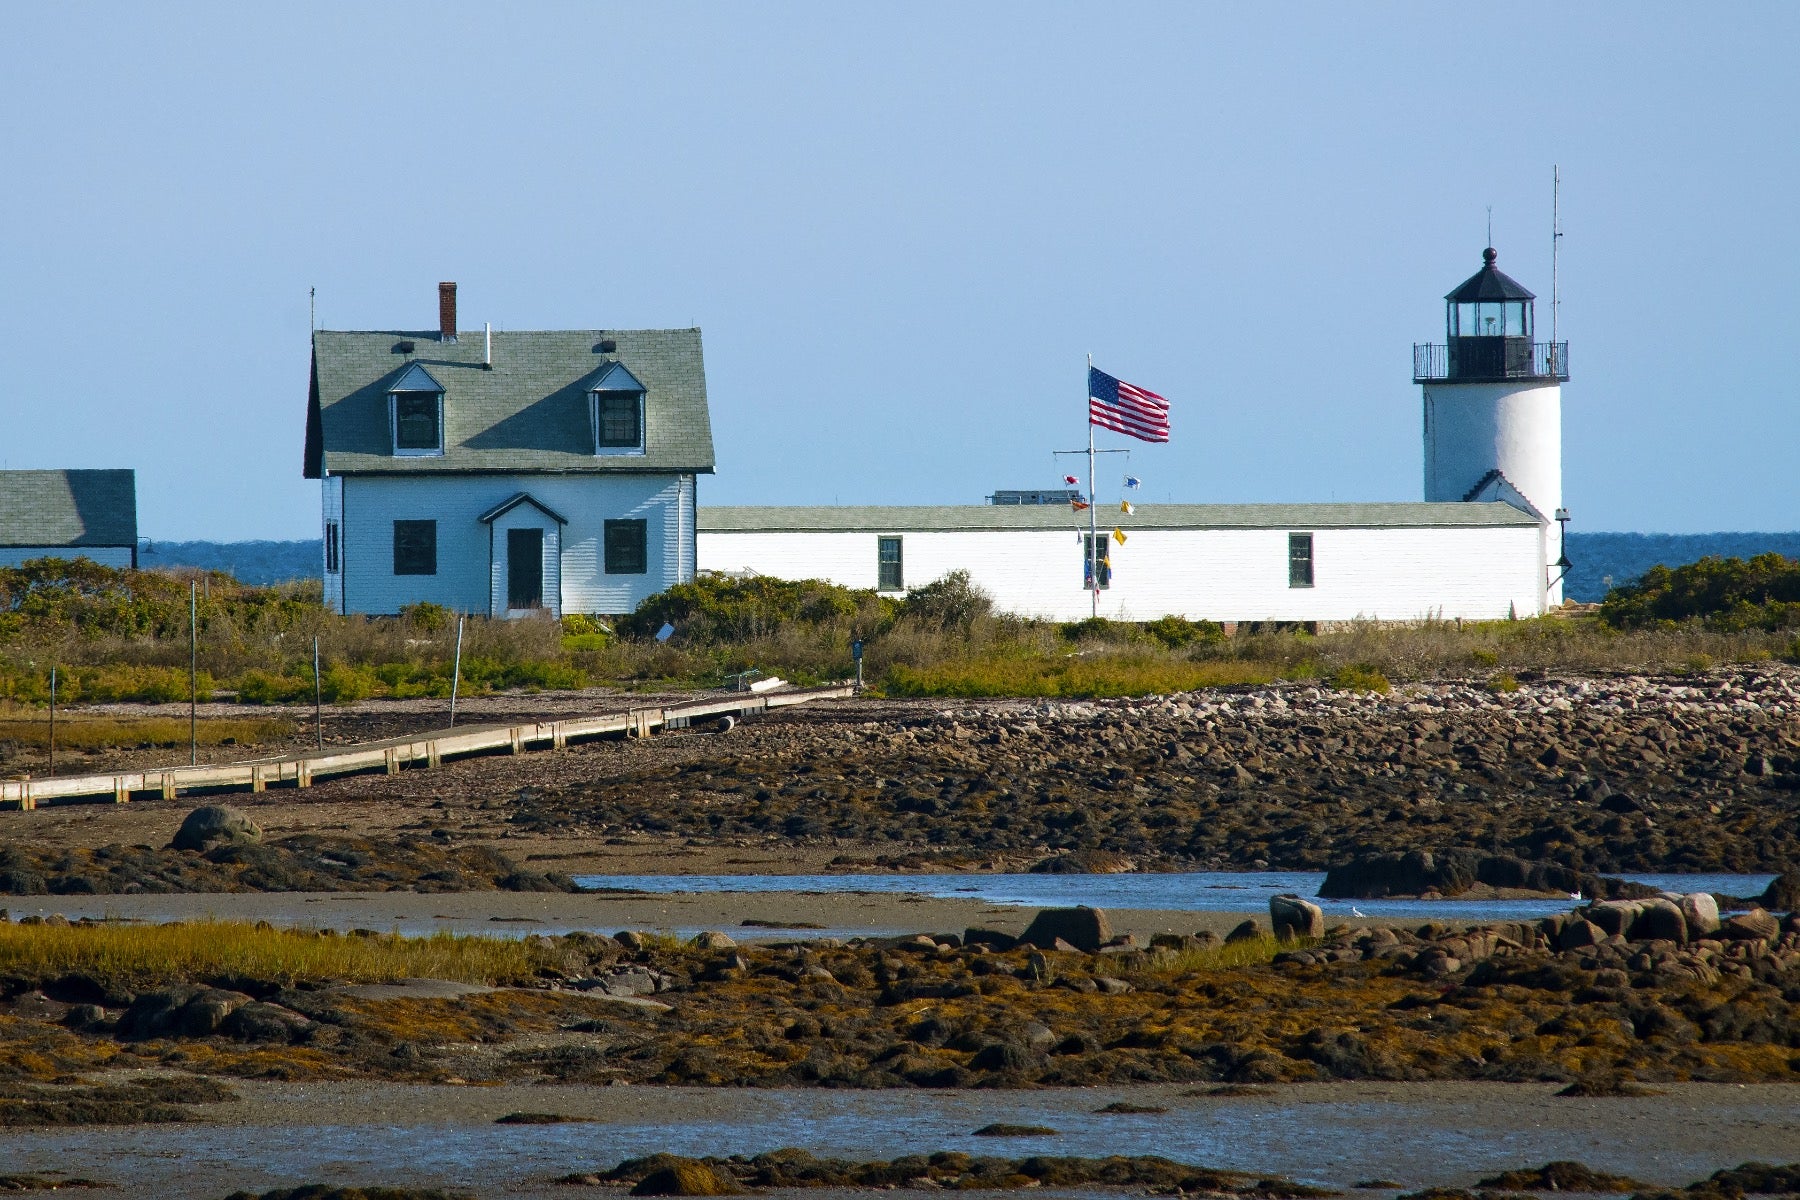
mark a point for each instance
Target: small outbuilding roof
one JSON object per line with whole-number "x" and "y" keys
{"x": 1490, "y": 284}
{"x": 989, "y": 517}
{"x": 68, "y": 508}
{"x": 526, "y": 412}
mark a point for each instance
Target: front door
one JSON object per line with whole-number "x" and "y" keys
{"x": 524, "y": 568}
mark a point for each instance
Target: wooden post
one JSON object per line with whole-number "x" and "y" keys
{"x": 518, "y": 739}
{"x": 456, "y": 671}
{"x": 318, "y": 703}
{"x": 168, "y": 785}
{"x": 193, "y": 676}
{"x": 52, "y": 771}
{"x": 302, "y": 774}
{"x": 259, "y": 779}
{"x": 433, "y": 758}
{"x": 121, "y": 791}
{"x": 558, "y": 739}
{"x": 392, "y": 759}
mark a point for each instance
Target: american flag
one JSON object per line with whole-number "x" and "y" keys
{"x": 1125, "y": 408}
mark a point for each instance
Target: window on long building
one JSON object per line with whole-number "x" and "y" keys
{"x": 331, "y": 547}
{"x": 890, "y": 574}
{"x": 1300, "y": 560}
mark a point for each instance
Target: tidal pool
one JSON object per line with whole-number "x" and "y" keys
{"x": 1329, "y": 1134}
{"x": 1186, "y": 891}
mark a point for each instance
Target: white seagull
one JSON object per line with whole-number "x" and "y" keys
{"x": 1355, "y": 911}
{"x": 1576, "y": 895}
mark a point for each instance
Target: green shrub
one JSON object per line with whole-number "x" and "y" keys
{"x": 1177, "y": 632}
{"x": 1503, "y": 683}
{"x": 1359, "y": 677}
{"x": 426, "y": 617}
{"x": 1729, "y": 593}
{"x": 574, "y": 642}
{"x": 342, "y": 683}
{"x": 261, "y": 687}
{"x": 953, "y": 602}
{"x": 717, "y": 608}
{"x": 583, "y": 625}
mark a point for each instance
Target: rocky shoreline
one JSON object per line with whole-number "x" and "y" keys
{"x": 1598, "y": 776}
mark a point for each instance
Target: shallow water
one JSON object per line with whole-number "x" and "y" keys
{"x": 1195, "y": 891}
{"x": 1332, "y": 1135}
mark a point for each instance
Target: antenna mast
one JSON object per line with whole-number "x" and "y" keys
{"x": 1555, "y": 247}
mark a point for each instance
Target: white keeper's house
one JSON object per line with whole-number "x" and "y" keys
{"x": 1484, "y": 543}
{"x": 506, "y": 473}
{"x": 69, "y": 514}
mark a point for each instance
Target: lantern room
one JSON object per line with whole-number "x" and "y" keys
{"x": 1489, "y": 327}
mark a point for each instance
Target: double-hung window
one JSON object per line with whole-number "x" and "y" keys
{"x": 1300, "y": 560}
{"x": 616, "y": 410}
{"x": 889, "y": 573}
{"x": 415, "y": 547}
{"x": 1096, "y": 562}
{"x": 627, "y": 549}
{"x": 416, "y": 414}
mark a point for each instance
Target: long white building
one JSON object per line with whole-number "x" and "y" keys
{"x": 1219, "y": 562}
{"x": 1485, "y": 543}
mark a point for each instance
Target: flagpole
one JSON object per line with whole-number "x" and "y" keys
{"x": 1093, "y": 514}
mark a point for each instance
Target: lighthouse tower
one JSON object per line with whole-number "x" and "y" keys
{"x": 1493, "y": 408}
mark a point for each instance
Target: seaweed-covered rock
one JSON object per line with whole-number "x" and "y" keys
{"x": 212, "y": 825}
{"x": 686, "y": 1177}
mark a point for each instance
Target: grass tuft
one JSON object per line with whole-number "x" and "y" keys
{"x": 200, "y": 950}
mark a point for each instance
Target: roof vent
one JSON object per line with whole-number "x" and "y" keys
{"x": 608, "y": 346}
{"x": 403, "y": 347}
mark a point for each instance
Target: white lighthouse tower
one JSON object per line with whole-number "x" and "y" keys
{"x": 1493, "y": 408}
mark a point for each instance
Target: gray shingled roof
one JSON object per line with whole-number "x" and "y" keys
{"x": 68, "y": 508}
{"x": 529, "y": 412}
{"x": 927, "y": 518}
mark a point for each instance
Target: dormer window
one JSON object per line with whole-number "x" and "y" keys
{"x": 616, "y": 408}
{"x": 416, "y": 413}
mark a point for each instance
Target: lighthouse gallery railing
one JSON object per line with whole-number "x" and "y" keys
{"x": 1490, "y": 358}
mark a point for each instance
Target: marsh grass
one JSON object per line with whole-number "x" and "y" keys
{"x": 1250, "y": 952}
{"x": 205, "y": 950}
{"x": 85, "y": 732}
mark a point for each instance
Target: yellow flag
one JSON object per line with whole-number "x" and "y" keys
{"x": 1119, "y": 536}
{"x": 1125, "y": 507}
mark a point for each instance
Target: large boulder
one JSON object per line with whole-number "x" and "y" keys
{"x": 1579, "y": 934}
{"x": 1783, "y": 893}
{"x": 1291, "y": 917}
{"x": 1753, "y": 926}
{"x": 1658, "y": 920}
{"x": 1614, "y": 916}
{"x": 1083, "y": 928}
{"x": 1701, "y": 912}
{"x": 215, "y": 825}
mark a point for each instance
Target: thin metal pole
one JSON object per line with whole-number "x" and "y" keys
{"x": 52, "y": 722}
{"x": 456, "y": 671}
{"x": 1093, "y": 514}
{"x": 318, "y": 709}
{"x": 1555, "y": 249}
{"x": 193, "y": 673}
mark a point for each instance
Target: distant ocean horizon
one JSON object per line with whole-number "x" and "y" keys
{"x": 1601, "y": 560}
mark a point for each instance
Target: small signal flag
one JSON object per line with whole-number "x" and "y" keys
{"x": 1126, "y": 508}
{"x": 1119, "y": 536}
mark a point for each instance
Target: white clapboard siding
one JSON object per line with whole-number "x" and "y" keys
{"x": 1393, "y": 573}
{"x": 467, "y": 560}
{"x": 106, "y": 556}
{"x": 331, "y": 501}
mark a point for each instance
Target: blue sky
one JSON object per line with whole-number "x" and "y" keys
{"x": 903, "y": 229}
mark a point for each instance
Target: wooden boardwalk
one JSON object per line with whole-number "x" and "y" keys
{"x": 391, "y": 757}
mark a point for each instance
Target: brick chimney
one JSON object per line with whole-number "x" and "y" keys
{"x": 447, "y": 312}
